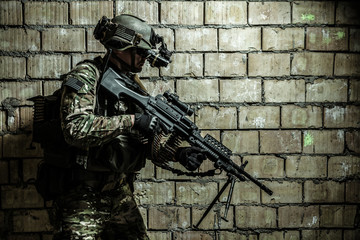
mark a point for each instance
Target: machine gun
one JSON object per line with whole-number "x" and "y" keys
{"x": 173, "y": 114}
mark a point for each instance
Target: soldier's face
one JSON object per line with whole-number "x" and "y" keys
{"x": 125, "y": 56}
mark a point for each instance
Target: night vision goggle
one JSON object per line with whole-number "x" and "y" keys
{"x": 117, "y": 36}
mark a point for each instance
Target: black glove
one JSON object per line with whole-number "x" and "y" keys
{"x": 149, "y": 125}
{"x": 190, "y": 157}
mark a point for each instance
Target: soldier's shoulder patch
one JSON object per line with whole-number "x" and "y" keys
{"x": 74, "y": 83}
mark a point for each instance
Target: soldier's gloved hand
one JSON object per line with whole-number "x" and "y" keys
{"x": 190, "y": 157}
{"x": 149, "y": 125}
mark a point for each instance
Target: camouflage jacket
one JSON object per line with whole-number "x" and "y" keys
{"x": 97, "y": 134}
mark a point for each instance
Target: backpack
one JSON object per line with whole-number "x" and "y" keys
{"x": 54, "y": 173}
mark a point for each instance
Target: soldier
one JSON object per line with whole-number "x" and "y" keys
{"x": 112, "y": 138}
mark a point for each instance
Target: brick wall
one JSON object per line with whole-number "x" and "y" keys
{"x": 278, "y": 82}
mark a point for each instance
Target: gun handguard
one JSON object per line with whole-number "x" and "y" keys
{"x": 173, "y": 113}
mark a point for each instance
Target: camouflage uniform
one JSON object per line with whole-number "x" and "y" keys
{"x": 100, "y": 202}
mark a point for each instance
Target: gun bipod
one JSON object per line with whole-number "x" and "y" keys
{"x": 231, "y": 180}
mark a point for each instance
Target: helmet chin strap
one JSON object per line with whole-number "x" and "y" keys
{"x": 123, "y": 65}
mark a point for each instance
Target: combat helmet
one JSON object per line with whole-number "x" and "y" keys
{"x": 125, "y": 31}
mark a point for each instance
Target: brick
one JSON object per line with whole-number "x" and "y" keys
{"x": 11, "y": 13}
{"x": 159, "y": 235}
{"x": 51, "y": 86}
{"x": 241, "y": 141}
{"x": 18, "y": 39}
{"x": 351, "y": 234}
{"x": 225, "y": 12}
{"x": 194, "y": 235}
{"x": 325, "y": 191}
{"x": 265, "y": 166}
{"x": 31, "y": 221}
{"x": 240, "y": 90}
{"x": 89, "y": 13}
{"x": 337, "y": 216}
{"x": 344, "y": 166}
{"x": 216, "y": 118}
{"x": 306, "y": 166}
{"x": 189, "y": 90}
{"x": 347, "y": 64}
{"x": 269, "y": 64}
{"x": 147, "y": 172}
{"x": 147, "y": 10}
{"x": 282, "y": 39}
{"x": 64, "y": 40}
{"x": 255, "y": 217}
{"x": 244, "y": 192}
{"x": 159, "y": 87}
{"x": 14, "y": 171}
{"x": 169, "y": 218}
{"x": 182, "y": 13}
{"x": 3, "y": 122}
{"x": 232, "y": 235}
{"x": 195, "y": 193}
{"x": 269, "y": 13}
{"x": 293, "y": 116}
{"x": 213, "y": 219}
{"x": 15, "y": 197}
{"x": 352, "y": 191}
{"x": 327, "y": 90}
{"x": 46, "y": 13}
{"x": 93, "y": 45}
{"x": 353, "y": 141}
{"x": 12, "y": 67}
{"x": 77, "y": 58}
{"x": 154, "y": 193}
{"x": 312, "y": 63}
{"x": 313, "y": 12}
{"x": 323, "y": 141}
{"x": 354, "y": 90}
{"x": 283, "y": 192}
{"x": 327, "y": 39}
{"x": 48, "y": 66}
{"x": 347, "y": 117}
{"x": 354, "y": 40}
{"x": 286, "y": 141}
{"x": 299, "y": 217}
{"x": 149, "y": 71}
{"x": 284, "y": 90}
{"x": 259, "y": 117}
{"x": 184, "y": 64}
{"x": 30, "y": 167}
{"x": 202, "y": 39}
{"x": 4, "y": 172}
{"x": 214, "y": 64}
{"x": 347, "y": 12}
{"x": 292, "y": 235}
{"x": 26, "y": 118}
{"x": 322, "y": 234}
{"x": 19, "y": 92}
{"x": 278, "y": 235}
{"x": 19, "y": 146}
{"x": 235, "y": 39}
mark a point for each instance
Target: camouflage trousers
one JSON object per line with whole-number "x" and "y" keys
{"x": 92, "y": 215}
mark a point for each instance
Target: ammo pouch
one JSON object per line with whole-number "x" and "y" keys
{"x": 124, "y": 154}
{"x": 51, "y": 181}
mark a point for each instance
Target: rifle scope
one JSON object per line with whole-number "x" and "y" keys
{"x": 174, "y": 99}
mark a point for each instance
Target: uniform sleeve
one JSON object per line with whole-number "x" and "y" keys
{"x": 81, "y": 126}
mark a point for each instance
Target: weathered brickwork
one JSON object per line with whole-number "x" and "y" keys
{"x": 277, "y": 82}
